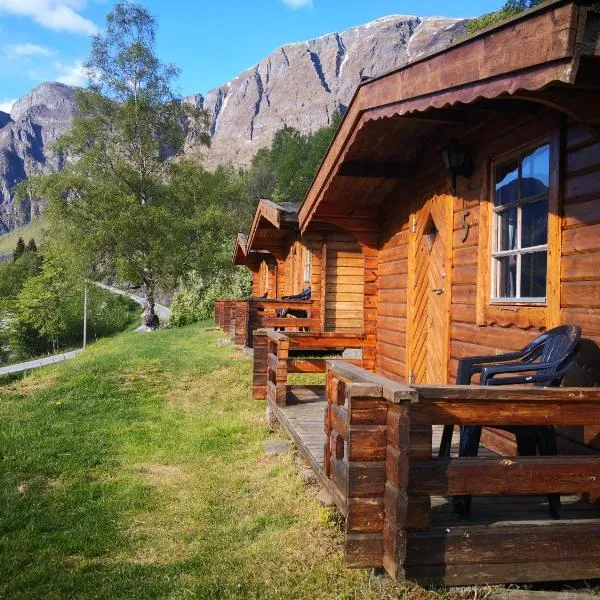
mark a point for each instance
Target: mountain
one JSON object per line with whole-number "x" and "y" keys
{"x": 302, "y": 85}
{"x": 35, "y": 123}
{"x": 299, "y": 85}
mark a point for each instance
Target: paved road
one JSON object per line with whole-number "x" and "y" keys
{"x": 162, "y": 311}
{"x": 39, "y": 362}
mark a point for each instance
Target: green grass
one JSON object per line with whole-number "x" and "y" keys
{"x": 34, "y": 230}
{"x": 137, "y": 471}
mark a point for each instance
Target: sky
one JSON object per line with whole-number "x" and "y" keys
{"x": 211, "y": 42}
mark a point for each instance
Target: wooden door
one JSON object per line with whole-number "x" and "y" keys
{"x": 430, "y": 302}
{"x": 344, "y": 283}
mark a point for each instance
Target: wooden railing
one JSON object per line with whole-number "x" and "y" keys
{"x": 378, "y": 458}
{"x": 276, "y": 356}
{"x": 232, "y": 317}
{"x": 263, "y": 315}
{"x": 241, "y": 318}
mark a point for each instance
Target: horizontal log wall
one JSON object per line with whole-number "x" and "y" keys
{"x": 344, "y": 282}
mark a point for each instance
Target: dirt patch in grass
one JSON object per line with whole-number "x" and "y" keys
{"x": 157, "y": 474}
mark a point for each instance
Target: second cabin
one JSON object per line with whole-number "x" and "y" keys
{"x": 311, "y": 282}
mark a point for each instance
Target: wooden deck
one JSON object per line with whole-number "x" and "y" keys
{"x": 303, "y": 419}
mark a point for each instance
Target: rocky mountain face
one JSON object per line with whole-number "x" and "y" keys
{"x": 27, "y": 135}
{"x": 302, "y": 85}
{"x": 299, "y": 85}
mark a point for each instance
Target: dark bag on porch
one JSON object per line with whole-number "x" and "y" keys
{"x": 295, "y": 312}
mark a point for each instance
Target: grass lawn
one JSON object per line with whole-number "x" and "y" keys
{"x": 137, "y": 471}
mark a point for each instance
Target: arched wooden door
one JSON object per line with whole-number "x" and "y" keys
{"x": 429, "y": 299}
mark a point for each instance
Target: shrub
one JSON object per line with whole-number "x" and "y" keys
{"x": 195, "y": 296}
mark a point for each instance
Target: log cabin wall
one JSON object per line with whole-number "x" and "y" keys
{"x": 475, "y": 327}
{"x": 344, "y": 282}
{"x": 264, "y": 281}
{"x": 256, "y": 283}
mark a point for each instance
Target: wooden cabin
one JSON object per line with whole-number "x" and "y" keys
{"x": 284, "y": 262}
{"x": 471, "y": 180}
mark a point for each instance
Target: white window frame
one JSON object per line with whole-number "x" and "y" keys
{"x": 307, "y": 265}
{"x": 519, "y": 252}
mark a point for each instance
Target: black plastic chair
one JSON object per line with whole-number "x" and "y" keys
{"x": 543, "y": 362}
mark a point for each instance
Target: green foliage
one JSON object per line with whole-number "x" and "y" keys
{"x": 510, "y": 9}
{"x": 41, "y": 306}
{"x": 13, "y": 276}
{"x": 195, "y": 296}
{"x": 31, "y": 246}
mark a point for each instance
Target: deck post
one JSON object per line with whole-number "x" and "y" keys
{"x": 241, "y": 322}
{"x": 259, "y": 370}
{"x": 395, "y": 496}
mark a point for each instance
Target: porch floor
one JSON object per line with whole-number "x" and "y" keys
{"x": 303, "y": 420}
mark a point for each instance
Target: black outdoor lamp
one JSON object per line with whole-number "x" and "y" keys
{"x": 457, "y": 161}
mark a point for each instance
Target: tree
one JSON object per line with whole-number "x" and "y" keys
{"x": 121, "y": 153}
{"x": 285, "y": 171}
{"x": 31, "y": 246}
{"x": 19, "y": 249}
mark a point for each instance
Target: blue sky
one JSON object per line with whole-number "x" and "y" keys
{"x": 211, "y": 42}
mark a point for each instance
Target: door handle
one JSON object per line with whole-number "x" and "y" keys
{"x": 437, "y": 291}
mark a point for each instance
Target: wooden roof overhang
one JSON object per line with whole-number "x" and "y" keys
{"x": 271, "y": 226}
{"x": 243, "y": 256}
{"x": 549, "y": 55}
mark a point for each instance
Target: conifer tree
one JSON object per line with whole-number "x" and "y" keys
{"x": 19, "y": 250}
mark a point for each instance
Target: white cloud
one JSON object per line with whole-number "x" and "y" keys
{"x": 73, "y": 74}
{"x": 6, "y": 105}
{"x": 27, "y": 49}
{"x": 59, "y": 15}
{"x": 295, "y": 4}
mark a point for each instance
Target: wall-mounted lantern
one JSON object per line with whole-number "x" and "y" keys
{"x": 457, "y": 160}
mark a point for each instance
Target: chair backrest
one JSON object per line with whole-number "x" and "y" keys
{"x": 559, "y": 348}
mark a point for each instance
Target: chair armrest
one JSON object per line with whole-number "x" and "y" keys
{"x": 467, "y": 367}
{"x": 488, "y": 372}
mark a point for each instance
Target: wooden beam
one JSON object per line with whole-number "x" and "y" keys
{"x": 478, "y": 545}
{"x": 448, "y": 116}
{"x": 381, "y": 170}
{"x": 504, "y": 105}
{"x": 581, "y": 105}
{"x": 514, "y": 475}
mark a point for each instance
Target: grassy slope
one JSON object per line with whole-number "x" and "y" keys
{"x": 138, "y": 471}
{"x": 33, "y": 230}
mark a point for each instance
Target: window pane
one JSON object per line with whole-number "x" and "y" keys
{"x": 507, "y": 234}
{"x": 533, "y": 275}
{"x": 506, "y": 184}
{"x": 535, "y": 172}
{"x": 534, "y": 224}
{"x": 506, "y": 277}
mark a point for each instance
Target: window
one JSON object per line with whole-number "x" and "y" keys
{"x": 307, "y": 261}
{"x": 520, "y": 227}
